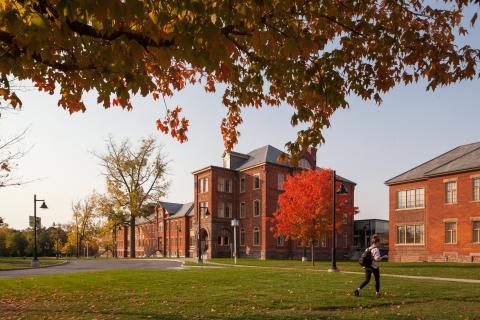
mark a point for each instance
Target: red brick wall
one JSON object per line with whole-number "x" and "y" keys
{"x": 433, "y": 216}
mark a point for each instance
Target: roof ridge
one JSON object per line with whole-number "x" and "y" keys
{"x": 421, "y": 164}
{"x": 463, "y": 155}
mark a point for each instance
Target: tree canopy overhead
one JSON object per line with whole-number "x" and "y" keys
{"x": 308, "y": 54}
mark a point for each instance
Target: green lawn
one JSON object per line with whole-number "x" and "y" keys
{"x": 429, "y": 269}
{"x": 16, "y": 263}
{"x": 230, "y": 293}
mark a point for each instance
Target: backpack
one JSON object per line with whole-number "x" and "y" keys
{"x": 366, "y": 258}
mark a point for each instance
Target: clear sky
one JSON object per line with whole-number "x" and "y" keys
{"x": 366, "y": 143}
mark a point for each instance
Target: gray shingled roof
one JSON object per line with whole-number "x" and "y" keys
{"x": 268, "y": 154}
{"x": 462, "y": 158}
{"x": 184, "y": 210}
{"x": 265, "y": 154}
{"x": 174, "y": 209}
{"x": 171, "y": 207}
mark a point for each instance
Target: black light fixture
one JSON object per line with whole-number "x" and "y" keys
{"x": 35, "y": 263}
{"x": 341, "y": 191}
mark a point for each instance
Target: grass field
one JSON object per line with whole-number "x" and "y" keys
{"x": 231, "y": 293}
{"x": 432, "y": 269}
{"x": 16, "y": 263}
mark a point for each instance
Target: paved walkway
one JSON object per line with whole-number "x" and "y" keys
{"x": 215, "y": 264}
{"x": 97, "y": 265}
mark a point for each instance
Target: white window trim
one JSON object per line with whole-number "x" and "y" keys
{"x": 473, "y": 230}
{"x": 259, "y": 208}
{"x": 445, "y": 182}
{"x": 404, "y": 225}
{"x": 259, "y": 237}
{"x": 244, "y": 211}
{"x": 244, "y": 238}
{"x": 414, "y": 207}
{"x": 244, "y": 184}
{"x": 456, "y": 231}
{"x": 257, "y": 175}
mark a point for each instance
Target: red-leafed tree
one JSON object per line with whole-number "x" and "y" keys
{"x": 305, "y": 207}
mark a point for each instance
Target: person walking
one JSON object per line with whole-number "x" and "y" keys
{"x": 372, "y": 267}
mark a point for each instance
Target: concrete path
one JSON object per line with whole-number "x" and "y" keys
{"x": 461, "y": 280}
{"x": 96, "y": 265}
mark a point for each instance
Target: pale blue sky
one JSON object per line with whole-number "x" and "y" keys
{"x": 366, "y": 143}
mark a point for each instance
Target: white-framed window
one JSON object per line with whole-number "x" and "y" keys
{"x": 256, "y": 208}
{"x": 450, "y": 232}
{"x": 303, "y": 163}
{"x": 242, "y": 237}
{"x": 256, "y": 181}
{"x": 410, "y": 234}
{"x": 221, "y": 184}
{"x": 345, "y": 240}
{"x": 476, "y": 189}
{"x": 412, "y": 198}
{"x": 256, "y": 236}
{"x": 243, "y": 210}
{"x": 203, "y": 185}
{"x": 451, "y": 192}
{"x": 280, "y": 241}
{"x": 316, "y": 243}
{"x": 281, "y": 179}
{"x": 476, "y": 231}
{"x": 242, "y": 184}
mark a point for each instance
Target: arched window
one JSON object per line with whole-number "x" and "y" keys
{"x": 256, "y": 236}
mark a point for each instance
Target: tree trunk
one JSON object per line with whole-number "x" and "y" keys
{"x": 114, "y": 243}
{"x": 313, "y": 253}
{"x": 132, "y": 237}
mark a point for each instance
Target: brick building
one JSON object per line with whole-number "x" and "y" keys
{"x": 163, "y": 233}
{"x": 435, "y": 209}
{"x": 246, "y": 188}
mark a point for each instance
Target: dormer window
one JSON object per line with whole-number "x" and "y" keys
{"x": 304, "y": 164}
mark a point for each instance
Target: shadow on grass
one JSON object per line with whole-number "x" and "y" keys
{"x": 326, "y": 312}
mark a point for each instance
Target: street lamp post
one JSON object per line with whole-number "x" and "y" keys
{"x": 235, "y": 225}
{"x": 342, "y": 190}
{"x": 35, "y": 263}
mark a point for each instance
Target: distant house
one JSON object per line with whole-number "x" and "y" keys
{"x": 435, "y": 209}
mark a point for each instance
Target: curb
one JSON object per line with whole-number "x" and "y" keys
{"x": 41, "y": 267}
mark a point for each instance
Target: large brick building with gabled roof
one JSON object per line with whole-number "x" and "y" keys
{"x": 435, "y": 209}
{"x": 246, "y": 187}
